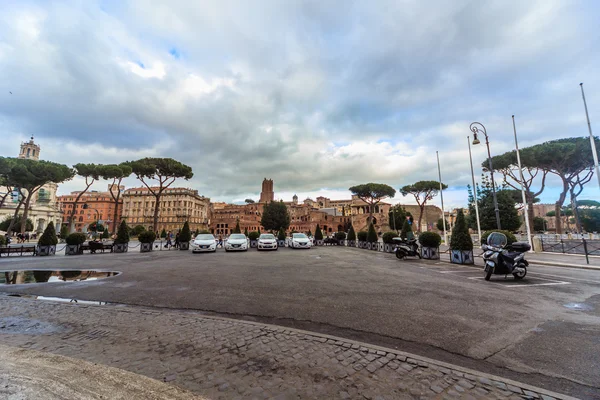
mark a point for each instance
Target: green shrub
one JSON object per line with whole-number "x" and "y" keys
{"x": 246, "y": 231}
{"x": 147, "y": 237}
{"x": 105, "y": 234}
{"x": 362, "y": 236}
{"x": 461, "y": 240}
{"x": 253, "y": 235}
{"x": 64, "y": 231}
{"x": 371, "y": 235}
{"x": 237, "y": 228}
{"x": 137, "y": 230}
{"x": 122, "y": 234}
{"x": 510, "y": 238}
{"x": 48, "y": 238}
{"x": 185, "y": 235}
{"x": 258, "y": 231}
{"x": 318, "y": 233}
{"x": 197, "y": 232}
{"x": 281, "y": 234}
{"x": 351, "y": 233}
{"x": 3, "y": 240}
{"x": 340, "y": 235}
{"x": 163, "y": 233}
{"x": 406, "y": 232}
{"x": 388, "y": 236}
{"x": 76, "y": 238}
{"x": 430, "y": 239}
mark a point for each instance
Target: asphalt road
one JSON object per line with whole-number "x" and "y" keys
{"x": 521, "y": 330}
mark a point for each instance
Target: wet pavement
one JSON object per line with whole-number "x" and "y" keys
{"x": 520, "y": 330}
{"x": 20, "y": 277}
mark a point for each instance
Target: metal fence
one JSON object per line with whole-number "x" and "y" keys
{"x": 571, "y": 246}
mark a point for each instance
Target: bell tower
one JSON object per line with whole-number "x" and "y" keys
{"x": 30, "y": 150}
{"x": 267, "y": 193}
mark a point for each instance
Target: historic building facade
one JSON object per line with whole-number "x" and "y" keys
{"x": 177, "y": 205}
{"x": 44, "y": 207}
{"x": 100, "y": 206}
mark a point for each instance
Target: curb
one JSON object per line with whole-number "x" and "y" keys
{"x": 564, "y": 265}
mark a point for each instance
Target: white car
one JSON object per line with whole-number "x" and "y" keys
{"x": 267, "y": 241}
{"x": 300, "y": 241}
{"x": 237, "y": 242}
{"x": 204, "y": 242}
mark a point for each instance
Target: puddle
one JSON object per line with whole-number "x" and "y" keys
{"x": 21, "y": 325}
{"x": 578, "y": 306}
{"x": 46, "y": 276}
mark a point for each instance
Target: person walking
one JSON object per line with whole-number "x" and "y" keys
{"x": 169, "y": 244}
{"x": 177, "y": 240}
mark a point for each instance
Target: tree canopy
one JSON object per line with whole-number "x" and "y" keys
{"x": 397, "y": 215}
{"x": 116, "y": 173}
{"x": 372, "y": 193}
{"x": 275, "y": 216}
{"x": 509, "y": 215}
{"x": 165, "y": 171}
{"x": 91, "y": 173}
{"x": 422, "y": 191}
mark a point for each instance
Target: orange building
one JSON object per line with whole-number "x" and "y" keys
{"x": 100, "y": 206}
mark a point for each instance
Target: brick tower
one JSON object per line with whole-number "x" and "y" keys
{"x": 267, "y": 193}
{"x": 30, "y": 150}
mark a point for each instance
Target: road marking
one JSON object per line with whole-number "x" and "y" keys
{"x": 564, "y": 277}
{"x": 551, "y": 282}
{"x": 541, "y": 284}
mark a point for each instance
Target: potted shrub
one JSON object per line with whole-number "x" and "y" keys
{"x": 318, "y": 236}
{"x": 372, "y": 240}
{"x": 430, "y": 245}
{"x": 253, "y": 236}
{"x": 74, "y": 241}
{"x": 351, "y": 238}
{"x": 461, "y": 245}
{"x": 64, "y": 232}
{"x": 362, "y": 239}
{"x": 47, "y": 242}
{"x": 340, "y": 236}
{"x": 185, "y": 236}
{"x": 122, "y": 241}
{"x": 163, "y": 234}
{"x": 3, "y": 241}
{"x": 281, "y": 238}
{"x": 388, "y": 241}
{"x": 146, "y": 239}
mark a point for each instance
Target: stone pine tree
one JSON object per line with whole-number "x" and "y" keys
{"x": 116, "y": 173}
{"x": 318, "y": 233}
{"x": 91, "y": 173}
{"x": 372, "y": 194}
{"x": 163, "y": 170}
{"x": 422, "y": 191}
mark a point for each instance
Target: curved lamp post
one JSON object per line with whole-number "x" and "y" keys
{"x": 477, "y": 129}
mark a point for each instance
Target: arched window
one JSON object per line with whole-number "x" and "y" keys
{"x": 80, "y": 219}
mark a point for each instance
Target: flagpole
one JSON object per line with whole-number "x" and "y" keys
{"x": 522, "y": 185}
{"x": 592, "y": 141}
{"x": 442, "y": 197}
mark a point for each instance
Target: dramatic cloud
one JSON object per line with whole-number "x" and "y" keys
{"x": 316, "y": 95}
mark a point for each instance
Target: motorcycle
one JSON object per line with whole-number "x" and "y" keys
{"x": 499, "y": 260}
{"x": 406, "y": 248}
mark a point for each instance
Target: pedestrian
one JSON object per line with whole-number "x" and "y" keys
{"x": 177, "y": 240}
{"x": 220, "y": 241}
{"x": 169, "y": 243}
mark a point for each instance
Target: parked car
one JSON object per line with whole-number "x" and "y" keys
{"x": 237, "y": 242}
{"x": 300, "y": 241}
{"x": 267, "y": 241}
{"x": 204, "y": 242}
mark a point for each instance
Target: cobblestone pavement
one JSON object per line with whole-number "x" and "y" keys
{"x": 226, "y": 359}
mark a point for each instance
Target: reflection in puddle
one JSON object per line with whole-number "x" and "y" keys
{"x": 579, "y": 306}
{"x": 46, "y": 276}
{"x": 64, "y": 300}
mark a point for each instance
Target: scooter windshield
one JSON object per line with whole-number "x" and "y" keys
{"x": 497, "y": 239}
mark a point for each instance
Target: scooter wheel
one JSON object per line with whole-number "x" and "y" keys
{"x": 400, "y": 255}
{"x": 488, "y": 273}
{"x": 520, "y": 275}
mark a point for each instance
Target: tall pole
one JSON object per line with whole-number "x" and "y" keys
{"x": 474, "y": 127}
{"x": 437, "y": 154}
{"x": 522, "y": 185}
{"x": 474, "y": 191}
{"x": 593, "y": 143}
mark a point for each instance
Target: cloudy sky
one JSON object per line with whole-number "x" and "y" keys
{"x": 316, "y": 95}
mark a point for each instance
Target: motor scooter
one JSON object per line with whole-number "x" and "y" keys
{"x": 406, "y": 248}
{"x": 500, "y": 259}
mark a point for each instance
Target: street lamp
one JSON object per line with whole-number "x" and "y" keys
{"x": 474, "y": 192}
{"x": 478, "y": 128}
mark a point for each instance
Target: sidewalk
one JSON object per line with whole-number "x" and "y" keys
{"x": 227, "y": 359}
{"x": 544, "y": 258}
